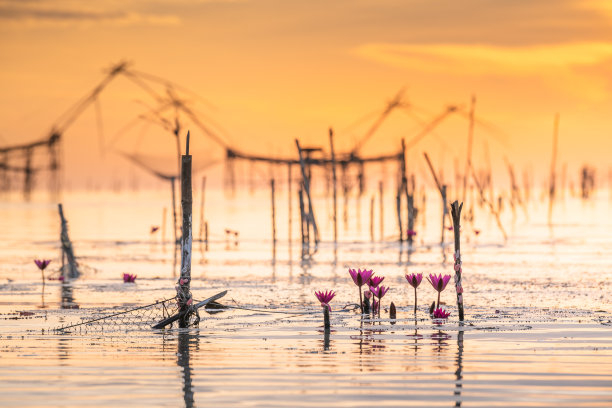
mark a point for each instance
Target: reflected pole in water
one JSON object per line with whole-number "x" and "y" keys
{"x": 459, "y": 372}
{"x": 184, "y": 340}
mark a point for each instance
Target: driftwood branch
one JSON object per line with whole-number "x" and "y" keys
{"x": 198, "y": 305}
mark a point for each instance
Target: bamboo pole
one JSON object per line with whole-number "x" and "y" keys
{"x": 442, "y": 190}
{"x": 489, "y": 203}
{"x": 456, "y": 215}
{"x": 163, "y": 226}
{"x": 202, "y": 198}
{"x": 184, "y": 298}
{"x": 302, "y": 217}
{"x": 174, "y": 220}
{"x": 553, "y": 165}
{"x": 311, "y": 217}
{"x": 398, "y": 207}
{"x": 468, "y": 162}
{"x": 73, "y": 270}
{"x": 273, "y": 219}
{"x": 335, "y": 181}
{"x": 411, "y": 210}
{"x": 372, "y": 218}
{"x": 381, "y": 210}
{"x": 289, "y": 177}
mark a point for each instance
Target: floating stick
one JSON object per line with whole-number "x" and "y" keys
{"x": 198, "y": 305}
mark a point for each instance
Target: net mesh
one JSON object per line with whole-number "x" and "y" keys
{"x": 138, "y": 318}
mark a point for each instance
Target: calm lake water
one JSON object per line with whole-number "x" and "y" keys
{"x": 538, "y": 328}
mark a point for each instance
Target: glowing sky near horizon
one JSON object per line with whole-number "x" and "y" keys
{"x": 273, "y": 70}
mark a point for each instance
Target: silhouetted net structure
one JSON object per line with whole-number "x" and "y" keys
{"x": 138, "y": 318}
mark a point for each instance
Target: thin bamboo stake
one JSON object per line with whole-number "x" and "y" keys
{"x": 381, "y": 210}
{"x": 202, "y": 197}
{"x": 273, "y": 220}
{"x": 411, "y": 210}
{"x": 553, "y": 165}
{"x": 334, "y": 178}
{"x": 468, "y": 162}
{"x": 442, "y": 190}
{"x": 372, "y": 218}
{"x": 163, "y": 225}
{"x": 489, "y": 203}
{"x": 289, "y": 176}
{"x": 73, "y": 270}
{"x": 398, "y": 207}
{"x": 174, "y": 220}
{"x": 307, "y": 190}
{"x": 456, "y": 215}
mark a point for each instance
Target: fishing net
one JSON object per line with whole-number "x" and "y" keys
{"x": 138, "y": 318}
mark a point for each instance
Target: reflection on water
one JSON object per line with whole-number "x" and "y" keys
{"x": 535, "y": 333}
{"x": 187, "y": 342}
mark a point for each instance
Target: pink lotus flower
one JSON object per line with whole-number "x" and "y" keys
{"x": 129, "y": 278}
{"x": 325, "y": 297}
{"x": 439, "y": 283}
{"x": 375, "y": 281}
{"x": 42, "y": 263}
{"x": 440, "y": 313}
{"x": 411, "y": 233}
{"x": 360, "y": 278}
{"x": 378, "y": 292}
{"x": 414, "y": 279}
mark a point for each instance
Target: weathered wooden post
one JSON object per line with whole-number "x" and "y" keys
{"x": 456, "y": 215}
{"x": 273, "y": 220}
{"x": 184, "y": 298}
{"x": 381, "y": 210}
{"x": 67, "y": 251}
{"x": 335, "y": 180}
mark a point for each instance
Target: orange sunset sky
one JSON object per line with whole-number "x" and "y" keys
{"x": 264, "y": 72}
